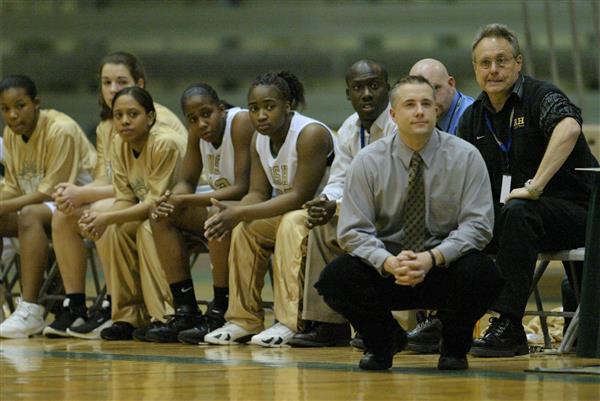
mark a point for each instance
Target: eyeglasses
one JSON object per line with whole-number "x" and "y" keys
{"x": 501, "y": 62}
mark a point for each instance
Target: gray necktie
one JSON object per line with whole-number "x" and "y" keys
{"x": 413, "y": 211}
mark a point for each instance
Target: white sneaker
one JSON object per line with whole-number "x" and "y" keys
{"x": 275, "y": 336}
{"x": 27, "y": 320}
{"x": 230, "y": 333}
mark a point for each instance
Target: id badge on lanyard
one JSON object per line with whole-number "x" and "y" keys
{"x": 505, "y": 149}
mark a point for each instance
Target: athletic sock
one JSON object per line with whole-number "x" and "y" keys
{"x": 221, "y": 297}
{"x": 76, "y": 301}
{"x": 183, "y": 293}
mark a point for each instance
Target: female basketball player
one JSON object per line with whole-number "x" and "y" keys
{"x": 117, "y": 71}
{"x": 145, "y": 162}
{"x": 219, "y": 146}
{"x": 290, "y": 154}
{"x": 42, "y": 149}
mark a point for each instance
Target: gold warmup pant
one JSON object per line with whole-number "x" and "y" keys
{"x": 252, "y": 245}
{"x": 322, "y": 249}
{"x": 139, "y": 288}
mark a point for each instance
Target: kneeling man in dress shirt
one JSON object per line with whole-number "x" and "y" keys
{"x": 418, "y": 211}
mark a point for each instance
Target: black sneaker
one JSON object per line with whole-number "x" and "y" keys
{"x": 426, "y": 337}
{"x": 139, "y": 334}
{"x": 97, "y": 322}
{"x": 184, "y": 318}
{"x": 357, "y": 342}
{"x": 68, "y": 317}
{"x": 212, "y": 320}
{"x": 321, "y": 334}
{"x": 503, "y": 338}
{"x": 381, "y": 359}
{"x": 119, "y": 331}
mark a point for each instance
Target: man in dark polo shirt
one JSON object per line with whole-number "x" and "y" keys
{"x": 529, "y": 134}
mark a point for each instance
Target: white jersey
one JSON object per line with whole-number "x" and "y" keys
{"x": 218, "y": 165}
{"x": 281, "y": 170}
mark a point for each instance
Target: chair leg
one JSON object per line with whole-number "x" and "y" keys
{"x": 542, "y": 316}
{"x": 93, "y": 267}
{"x": 9, "y": 278}
{"x": 98, "y": 300}
{"x": 569, "y": 338}
{"x": 537, "y": 275}
{"x": 52, "y": 290}
{"x": 575, "y": 279}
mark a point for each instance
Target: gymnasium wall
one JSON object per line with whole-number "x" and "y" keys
{"x": 226, "y": 43}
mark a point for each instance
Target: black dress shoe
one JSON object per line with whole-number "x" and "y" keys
{"x": 381, "y": 359}
{"x": 321, "y": 334}
{"x": 372, "y": 361}
{"x": 502, "y": 339}
{"x": 117, "y": 332}
{"x": 426, "y": 337}
{"x": 184, "y": 318}
{"x": 449, "y": 362}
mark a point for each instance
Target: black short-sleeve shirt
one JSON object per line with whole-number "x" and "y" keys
{"x": 529, "y": 116}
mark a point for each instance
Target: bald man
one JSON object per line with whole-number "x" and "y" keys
{"x": 450, "y": 102}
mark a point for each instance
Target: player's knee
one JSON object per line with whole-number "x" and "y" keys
{"x": 33, "y": 216}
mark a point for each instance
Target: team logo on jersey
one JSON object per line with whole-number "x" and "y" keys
{"x": 221, "y": 183}
{"x": 280, "y": 174}
{"x": 214, "y": 163}
{"x": 518, "y": 122}
{"x": 138, "y": 186}
{"x": 29, "y": 177}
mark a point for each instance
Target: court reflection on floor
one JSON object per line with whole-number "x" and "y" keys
{"x": 44, "y": 369}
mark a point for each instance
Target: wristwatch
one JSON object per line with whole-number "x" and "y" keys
{"x": 533, "y": 190}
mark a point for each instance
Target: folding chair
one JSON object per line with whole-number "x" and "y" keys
{"x": 571, "y": 256}
{"x": 9, "y": 275}
{"x": 52, "y": 290}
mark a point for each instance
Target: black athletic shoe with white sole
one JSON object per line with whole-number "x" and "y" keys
{"x": 212, "y": 320}
{"x": 68, "y": 317}
{"x": 98, "y": 321}
{"x": 184, "y": 318}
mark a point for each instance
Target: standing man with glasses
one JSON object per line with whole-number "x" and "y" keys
{"x": 529, "y": 134}
{"x": 417, "y": 212}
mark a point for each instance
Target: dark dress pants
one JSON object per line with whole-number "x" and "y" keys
{"x": 463, "y": 292}
{"x": 523, "y": 229}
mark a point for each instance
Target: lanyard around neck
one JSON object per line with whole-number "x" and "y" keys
{"x": 504, "y": 146}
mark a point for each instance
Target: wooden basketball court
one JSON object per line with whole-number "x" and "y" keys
{"x": 69, "y": 369}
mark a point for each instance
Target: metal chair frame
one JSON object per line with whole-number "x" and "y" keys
{"x": 570, "y": 256}
{"x": 52, "y": 287}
